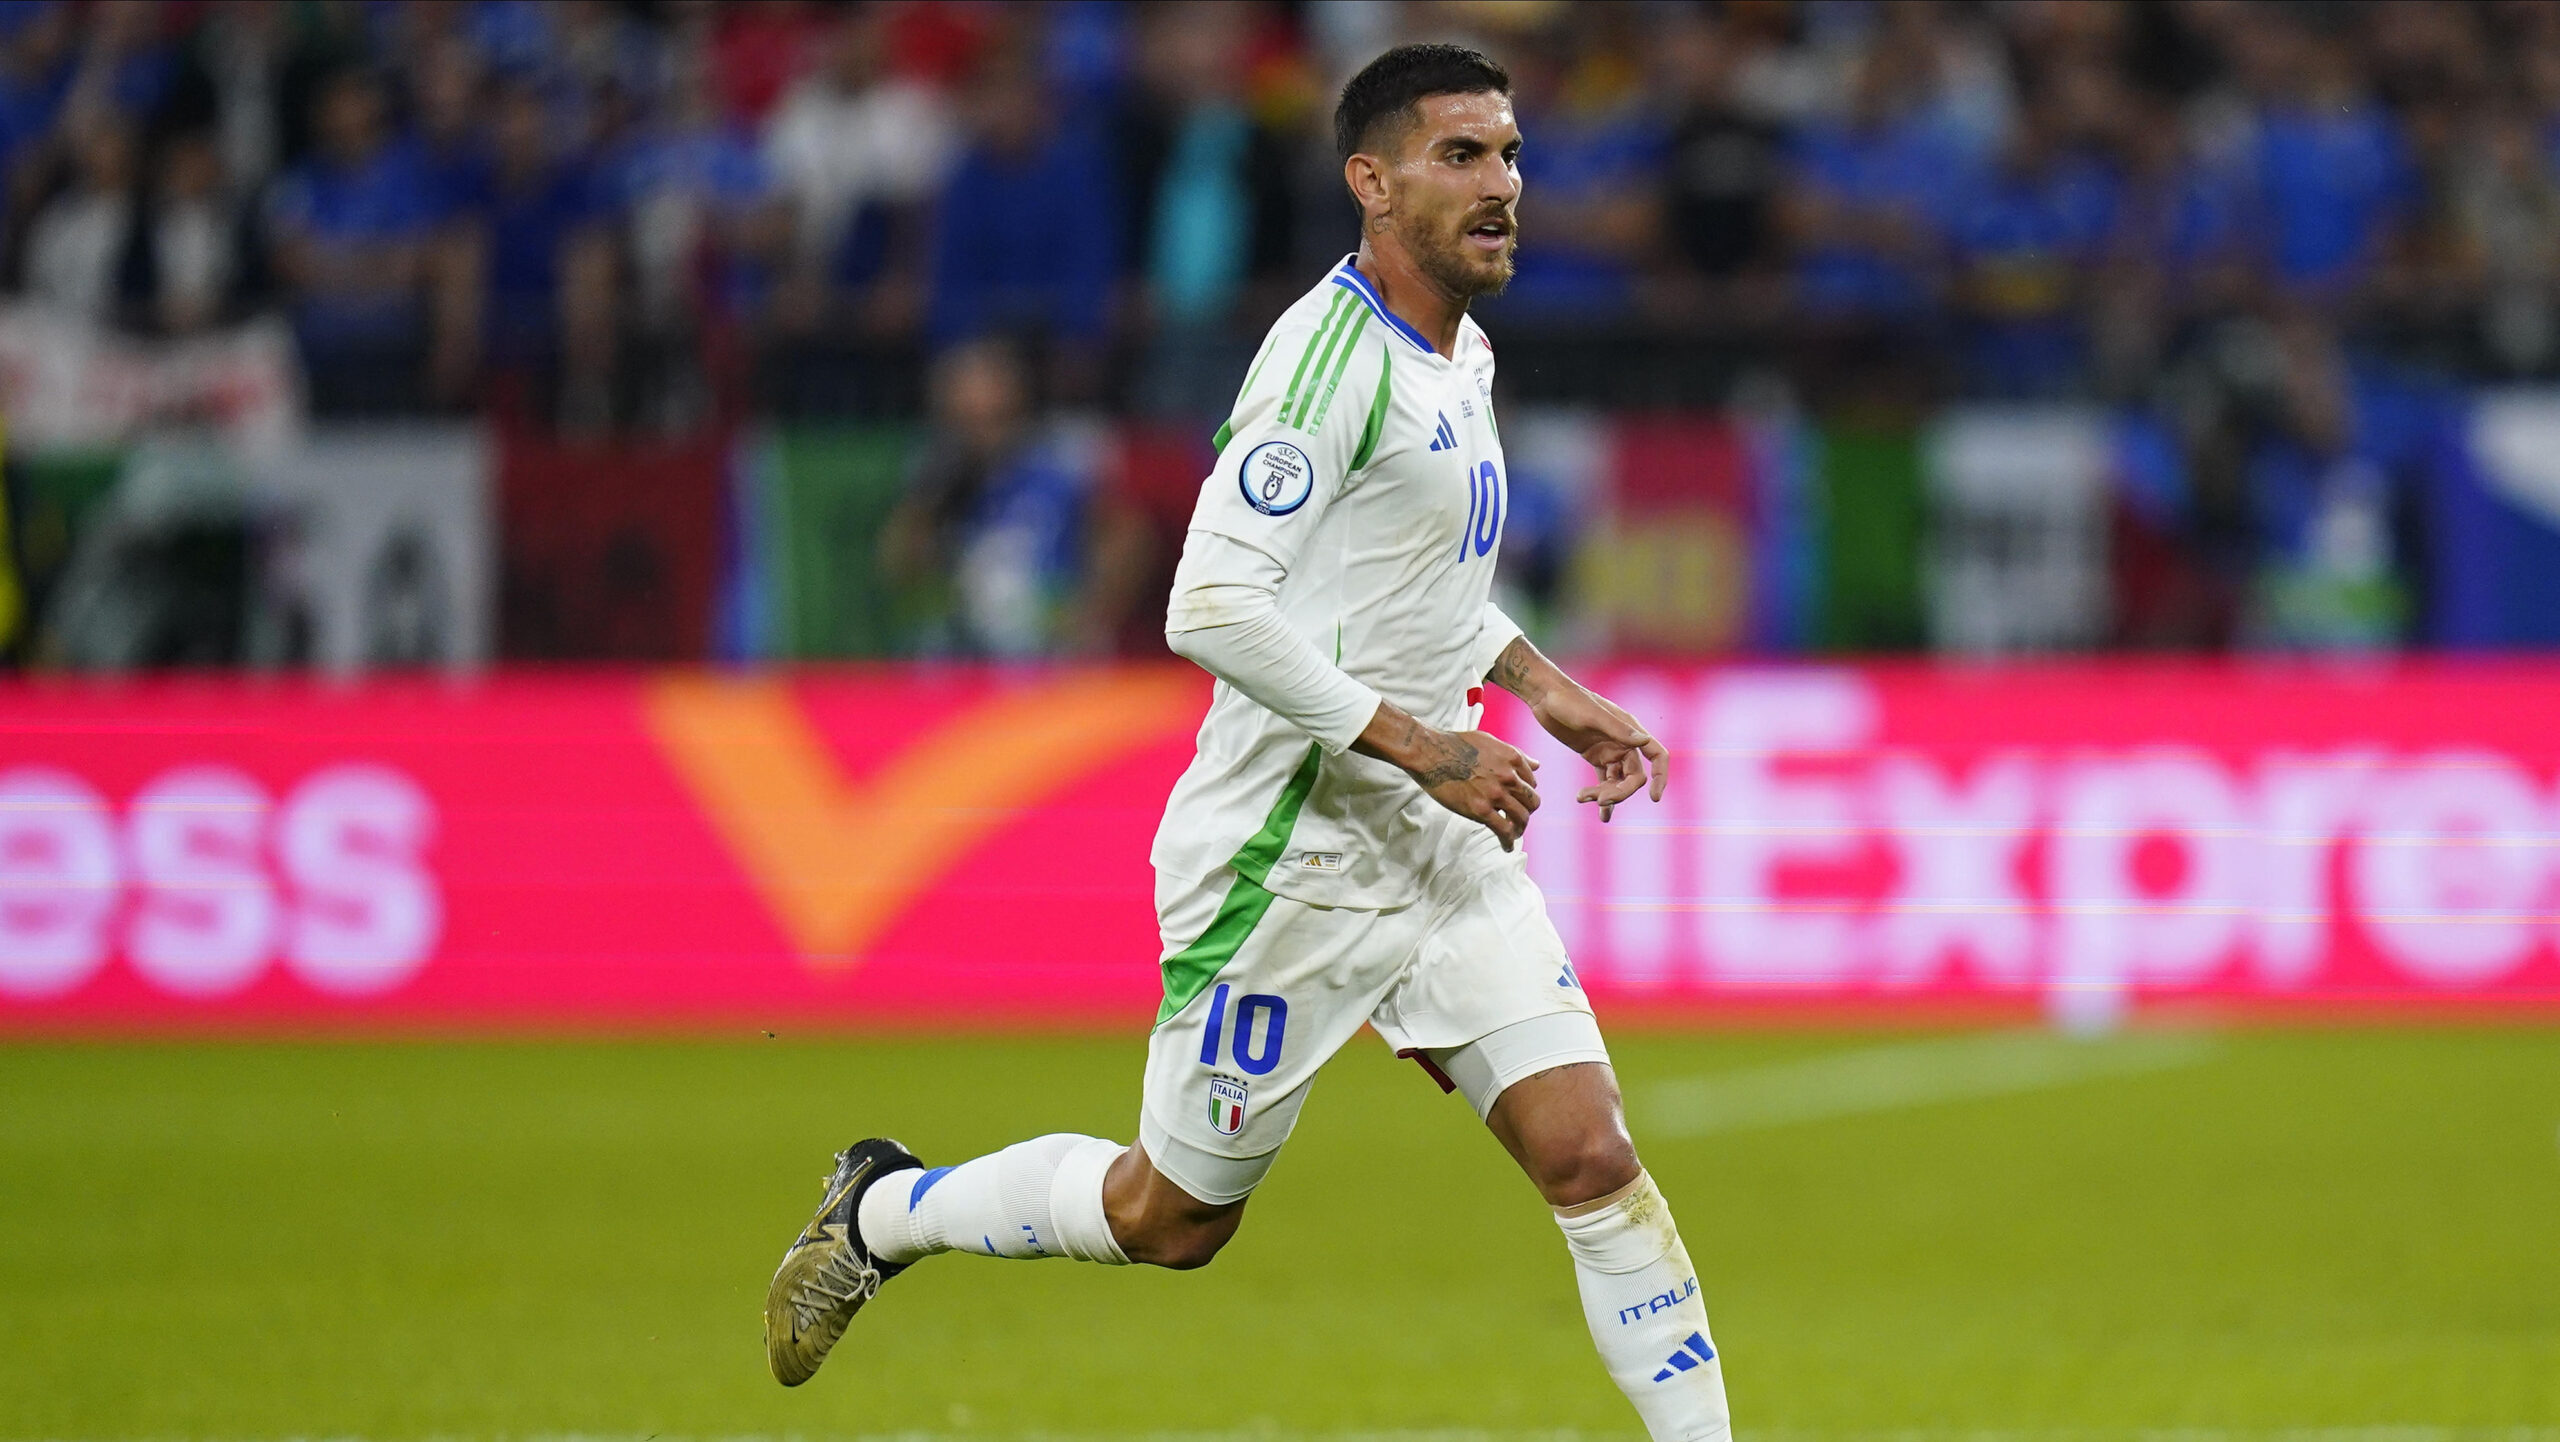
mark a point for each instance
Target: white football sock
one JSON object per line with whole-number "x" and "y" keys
{"x": 1640, "y": 1297}
{"x": 1040, "y": 1198}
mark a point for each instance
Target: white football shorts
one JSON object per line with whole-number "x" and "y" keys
{"x": 1472, "y": 980}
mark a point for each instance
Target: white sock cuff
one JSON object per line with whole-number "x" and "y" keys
{"x": 1627, "y": 1233}
{"x": 1025, "y": 1173}
{"x": 887, "y": 1226}
{"x": 1082, "y": 1227}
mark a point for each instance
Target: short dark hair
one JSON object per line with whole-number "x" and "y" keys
{"x": 1395, "y": 82}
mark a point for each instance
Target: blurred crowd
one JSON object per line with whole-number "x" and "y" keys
{"x": 632, "y": 215}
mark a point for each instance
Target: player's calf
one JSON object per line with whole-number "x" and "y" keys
{"x": 1567, "y": 1128}
{"x": 1158, "y": 1222}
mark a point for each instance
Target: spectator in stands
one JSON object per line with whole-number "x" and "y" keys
{"x": 518, "y": 37}
{"x": 1720, "y": 172}
{"x": 2432, "y": 292}
{"x": 448, "y": 104}
{"x": 2194, "y": 213}
{"x": 606, "y": 53}
{"x": 2333, "y": 474}
{"x": 758, "y": 48}
{"x": 2181, "y": 248}
{"x": 706, "y": 229}
{"x": 861, "y": 152}
{"x": 1862, "y": 203}
{"x": 73, "y": 246}
{"x": 1863, "y": 213}
{"x": 125, "y": 65}
{"x": 352, "y": 234}
{"x": 1593, "y": 163}
{"x": 2505, "y": 222}
{"x": 987, "y": 544}
{"x": 1143, "y": 497}
{"x": 1208, "y": 201}
{"x": 191, "y": 262}
{"x": 35, "y": 74}
{"x": 2262, "y": 206}
{"x": 2024, "y": 238}
{"x": 2334, "y": 169}
{"x": 539, "y": 230}
{"x": 234, "y": 72}
{"x": 1027, "y": 240}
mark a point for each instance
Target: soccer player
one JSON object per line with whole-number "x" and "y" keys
{"x": 1343, "y": 848}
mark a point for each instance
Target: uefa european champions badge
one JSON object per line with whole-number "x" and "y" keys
{"x": 1226, "y": 1104}
{"x": 1276, "y": 478}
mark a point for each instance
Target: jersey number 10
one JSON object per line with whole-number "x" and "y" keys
{"x": 1484, "y": 511}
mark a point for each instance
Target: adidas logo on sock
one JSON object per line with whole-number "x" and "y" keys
{"x": 1681, "y": 1361}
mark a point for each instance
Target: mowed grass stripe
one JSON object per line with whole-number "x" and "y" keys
{"x": 2297, "y": 1235}
{"x": 1905, "y": 1074}
{"x": 2403, "y": 1433}
{"x": 2398, "y": 1433}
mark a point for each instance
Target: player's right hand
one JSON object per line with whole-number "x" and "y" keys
{"x": 1482, "y": 778}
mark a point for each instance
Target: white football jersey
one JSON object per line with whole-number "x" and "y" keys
{"x": 1367, "y": 466}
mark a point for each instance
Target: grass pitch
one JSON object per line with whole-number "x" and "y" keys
{"x": 2253, "y": 1231}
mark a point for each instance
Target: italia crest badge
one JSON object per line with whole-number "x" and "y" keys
{"x": 1226, "y": 1104}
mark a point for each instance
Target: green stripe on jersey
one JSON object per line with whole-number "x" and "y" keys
{"x": 1261, "y": 851}
{"x": 1348, "y": 350}
{"x": 1227, "y": 427}
{"x": 1377, "y": 425}
{"x": 1188, "y": 972}
{"x": 1356, "y": 317}
{"x": 1332, "y": 317}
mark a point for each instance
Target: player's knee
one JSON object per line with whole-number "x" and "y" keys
{"x": 1584, "y": 1166}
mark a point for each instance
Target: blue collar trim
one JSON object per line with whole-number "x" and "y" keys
{"x": 1348, "y": 276}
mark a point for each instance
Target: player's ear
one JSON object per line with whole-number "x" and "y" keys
{"x": 1367, "y": 178}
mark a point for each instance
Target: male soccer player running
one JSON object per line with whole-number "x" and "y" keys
{"x": 1342, "y": 849}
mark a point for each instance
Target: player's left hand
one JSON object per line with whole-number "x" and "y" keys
{"x": 1626, "y": 756}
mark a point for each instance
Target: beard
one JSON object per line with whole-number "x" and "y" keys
{"x": 1443, "y": 256}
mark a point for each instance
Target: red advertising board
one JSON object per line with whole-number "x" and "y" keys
{"x": 2082, "y": 837}
{"x": 956, "y": 847}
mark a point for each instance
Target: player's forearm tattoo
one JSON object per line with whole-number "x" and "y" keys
{"x": 1511, "y": 669}
{"x": 1428, "y": 756}
{"x": 1457, "y": 762}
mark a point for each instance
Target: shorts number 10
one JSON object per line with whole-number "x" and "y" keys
{"x": 1271, "y": 1010}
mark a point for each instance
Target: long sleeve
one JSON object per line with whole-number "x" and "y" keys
{"x": 1496, "y": 637}
{"x": 1224, "y": 616}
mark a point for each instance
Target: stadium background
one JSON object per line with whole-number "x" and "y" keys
{"x": 584, "y": 582}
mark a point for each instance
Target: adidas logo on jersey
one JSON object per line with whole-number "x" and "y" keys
{"x": 1681, "y": 1361}
{"x": 1444, "y": 439}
